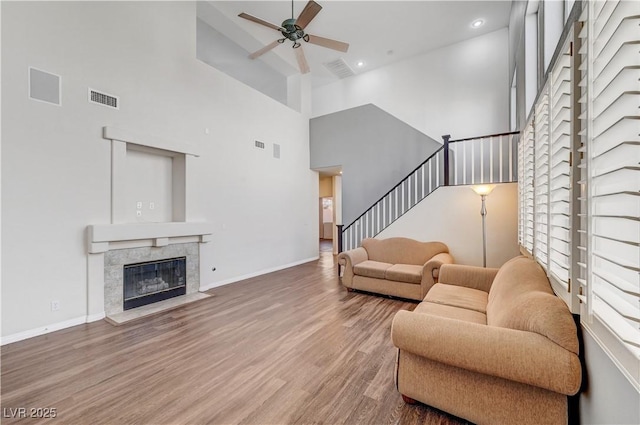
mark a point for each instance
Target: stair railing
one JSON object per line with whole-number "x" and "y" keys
{"x": 475, "y": 160}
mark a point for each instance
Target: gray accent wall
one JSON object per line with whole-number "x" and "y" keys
{"x": 375, "y": 150}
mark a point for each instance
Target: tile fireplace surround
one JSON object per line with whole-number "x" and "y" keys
{"x": 111, "y": 247}
{"x": 114, "y": 262}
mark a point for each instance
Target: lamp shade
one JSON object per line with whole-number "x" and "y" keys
{"x": 483, "y": 189}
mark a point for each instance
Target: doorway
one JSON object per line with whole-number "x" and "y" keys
{"x": 329, "y": 209}
{"x": 326, "y": 223}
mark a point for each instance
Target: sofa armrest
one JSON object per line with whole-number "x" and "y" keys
{"x": 469, "y": 276}
{"x": 431, "y": 270}
{"x": 348, "y": 259}
{"x": 525, "y": 357}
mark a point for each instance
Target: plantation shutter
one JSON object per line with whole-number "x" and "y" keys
{"x": 541, "y": 179}
{"x": 611, "y": 179}
{"x": 525, "y": 187}
{"x": 560, "y": 169}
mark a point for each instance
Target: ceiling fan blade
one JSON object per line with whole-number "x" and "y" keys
{"x": 302, "y": 60}
{"x": 308, "y": 13}
{"x": 264, "y": 50}
{"x": 327, "y": 42}
{"x": 259, "y": 21}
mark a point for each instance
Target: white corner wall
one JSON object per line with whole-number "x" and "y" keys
{"x": 55, "y": 164}
{"x": 461, "y": 89}
{"x": 452, "y": 215}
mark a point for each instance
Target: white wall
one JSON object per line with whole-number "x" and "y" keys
{"x": 452, "y": 215}
{"x": 55, "y": 164}
{"x": 608, "y": 397}
{"x": 462, "y": 89}
{"x": 531, "y": 60}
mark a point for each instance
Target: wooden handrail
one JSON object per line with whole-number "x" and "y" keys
{"x": 484, "y": 137}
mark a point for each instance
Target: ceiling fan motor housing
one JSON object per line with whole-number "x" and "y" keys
{"x": 293, "y": 32}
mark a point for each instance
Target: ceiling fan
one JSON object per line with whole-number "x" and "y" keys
{"x": 293, "y": 29}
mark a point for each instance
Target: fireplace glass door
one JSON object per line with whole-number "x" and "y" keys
{"x": 150, "y": 282}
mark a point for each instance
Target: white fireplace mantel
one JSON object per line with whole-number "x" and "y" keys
{"x": 103, "y": 237}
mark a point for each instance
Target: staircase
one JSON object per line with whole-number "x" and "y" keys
{"x": 477, "y": 160}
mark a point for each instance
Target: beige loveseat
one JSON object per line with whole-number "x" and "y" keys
{"x": 490, "y": 346}
{"x": 395, "y": 266}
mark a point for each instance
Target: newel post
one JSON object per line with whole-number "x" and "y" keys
{"x": 339, "y": 226}
{"x": 446, "y": 139}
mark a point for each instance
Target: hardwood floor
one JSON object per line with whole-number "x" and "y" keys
{"x": 285, "y": 348}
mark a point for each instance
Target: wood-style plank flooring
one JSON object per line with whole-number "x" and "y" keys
{"x": 291, "y": 347}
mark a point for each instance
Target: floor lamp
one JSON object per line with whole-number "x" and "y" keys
{"x": 483, "y": 190}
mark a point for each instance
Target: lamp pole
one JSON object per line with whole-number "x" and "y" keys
{"x": 483, "y": 213}
{"x": 483, "y": 190}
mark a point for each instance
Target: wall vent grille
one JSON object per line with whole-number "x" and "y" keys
{"x": 104, "y": 99}
{"x": 259, "y": 144}
{"x": 339, "y": 68}
{"x": 276, "y": 151}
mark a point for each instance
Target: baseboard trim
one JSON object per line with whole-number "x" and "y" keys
{"x": 44, "y": 330}
{"x": 96, "y": 317}
{"x": 255, "y": 274}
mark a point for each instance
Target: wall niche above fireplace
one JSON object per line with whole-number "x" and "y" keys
{"x": 148, "y": 178}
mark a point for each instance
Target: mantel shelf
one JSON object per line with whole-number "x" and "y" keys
{"x": 131, "y": 137}
{"x": 100, "y": 236}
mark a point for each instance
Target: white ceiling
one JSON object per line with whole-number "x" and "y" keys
{"x": 379, "y": 32}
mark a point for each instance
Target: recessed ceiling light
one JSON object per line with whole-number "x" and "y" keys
{"x": 360, "y": 64}
{"x": 477, "y": 23}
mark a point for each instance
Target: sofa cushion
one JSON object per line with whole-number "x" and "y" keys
{"x": 402, "y": 250}
{"x": 458, "y": 296}
{"x": 451, "y": 312}
{"x": 404, "y": 273}
{"x": 370, "y": 268}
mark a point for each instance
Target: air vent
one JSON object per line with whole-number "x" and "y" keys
{"x": 339, "y": 68}
{"x": 259, "y": 144}
{"x": 276, "y": 151}
{"x": 44, "y": 86}
{"x": 104, "y": 99}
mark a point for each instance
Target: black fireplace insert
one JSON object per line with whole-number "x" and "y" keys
{"x": 153, "y": 281}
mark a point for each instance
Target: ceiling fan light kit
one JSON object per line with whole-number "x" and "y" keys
{"x": 293, "y": 29}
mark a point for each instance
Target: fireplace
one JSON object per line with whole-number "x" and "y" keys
{"x": 148, "y": 222}
{"x": 153, "y": 281}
